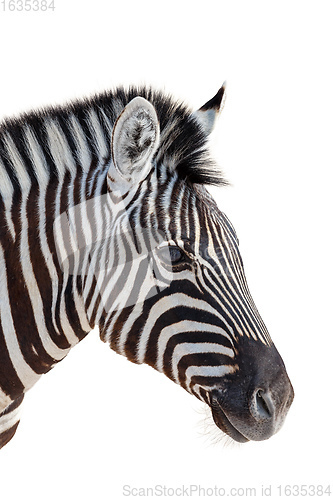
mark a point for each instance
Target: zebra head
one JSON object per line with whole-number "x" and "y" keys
{"x": 172, "y": 289}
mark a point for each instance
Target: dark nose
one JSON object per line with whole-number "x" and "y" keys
{"x": 262, "y": 406}
{"x": 268, "y": 406}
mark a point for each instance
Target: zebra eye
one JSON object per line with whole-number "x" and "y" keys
{"x": 171, "y": 255}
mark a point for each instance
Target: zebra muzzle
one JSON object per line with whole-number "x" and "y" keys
{"x": 253, "y": 408}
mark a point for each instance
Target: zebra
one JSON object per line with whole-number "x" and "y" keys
{"x": 106, "y": 221}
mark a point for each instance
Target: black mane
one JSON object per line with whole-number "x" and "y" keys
{"x": 183, "y": 142}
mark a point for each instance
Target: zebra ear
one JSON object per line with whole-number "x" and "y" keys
{"x": 208, "y": 113}
{"x": 135, "y": 138}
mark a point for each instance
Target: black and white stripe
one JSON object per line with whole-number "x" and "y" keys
{"x": 82, "y": 238}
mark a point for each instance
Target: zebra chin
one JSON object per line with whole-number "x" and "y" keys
{"x": 224, "y": 424}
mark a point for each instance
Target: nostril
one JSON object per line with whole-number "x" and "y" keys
{"x": 264, "y": 407}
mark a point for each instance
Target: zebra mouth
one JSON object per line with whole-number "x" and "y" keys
{"x": 223, "y": 423}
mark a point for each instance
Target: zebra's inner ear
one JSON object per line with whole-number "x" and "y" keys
{"x": 209, "y": 112}
{"x": 135, "y": 138}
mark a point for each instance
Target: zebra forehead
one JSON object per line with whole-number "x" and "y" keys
{"x": 209, "y": 212}
{"x": 183, "y": 142}
{"x": 189, "y": 212}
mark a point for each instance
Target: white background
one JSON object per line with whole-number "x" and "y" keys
{"x": 97, "y": 422}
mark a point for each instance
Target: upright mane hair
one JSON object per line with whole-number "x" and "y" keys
{"x": 182, "y": 139}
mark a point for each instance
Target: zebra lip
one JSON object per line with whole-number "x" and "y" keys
{"x": 223, "y": 423}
